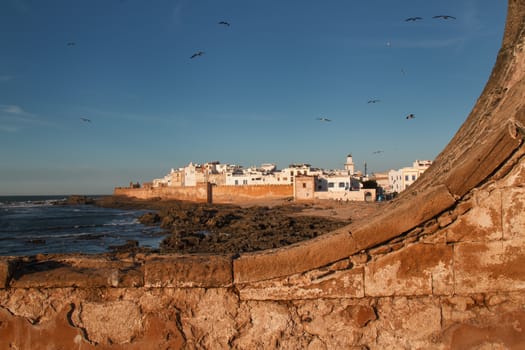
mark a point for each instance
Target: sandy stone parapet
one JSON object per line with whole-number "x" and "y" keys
{"x": 188, "y": 271}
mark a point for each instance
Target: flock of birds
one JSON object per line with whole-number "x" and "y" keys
{"x": 322, "y": 119}
{"x": 373, "y": 101}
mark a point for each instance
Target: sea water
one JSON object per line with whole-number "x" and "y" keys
{"x": 36, "y": 224}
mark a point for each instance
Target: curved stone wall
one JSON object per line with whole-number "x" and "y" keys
{"x": 443, "y": 267}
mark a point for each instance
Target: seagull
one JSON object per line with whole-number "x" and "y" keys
{"x": 444, "y": 17}
{"x": 413, "y": 19}
{"x": 85, "y": 120}
{"x": 374, "y": 101}
{"x": 196, "y": 54}
{"x": 323, "y": 119}
{"x": 410, "y": 116}
{"x": 377, "y": 152}
{"x": 227, "y": 24}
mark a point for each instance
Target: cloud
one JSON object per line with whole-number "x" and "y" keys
{"x": 13, "y": 118}
{"x": 12, "y": 109}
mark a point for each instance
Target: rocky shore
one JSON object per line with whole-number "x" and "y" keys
{"x": 233, "y": 229}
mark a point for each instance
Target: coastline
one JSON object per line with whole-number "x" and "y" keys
{"x": 243, "y": 227}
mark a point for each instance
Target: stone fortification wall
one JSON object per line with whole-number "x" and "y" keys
{"x": 217, "y": 194}
{"x": 361, "y": 195}
{"x": 441, "y": 267}
{"x": 194, "y": 193}
{"x": 232, "y": 194}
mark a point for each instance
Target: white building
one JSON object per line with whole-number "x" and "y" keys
{"x": 400, "y": 179}
{"x": 349, "y": 165}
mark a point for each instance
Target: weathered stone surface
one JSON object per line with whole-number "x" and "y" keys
{"x": 513, "y": 216}
{"x": 188, "y": 271}
{"x": 211, "y": 321}
{"x": 109, "y": 322}
{"x": 335, "y": 324}
{"x": 361, "y": 315}
{"x": 481, "y": 162}
{"x": 17, "y": 333}
{"x": 402, "y": 217}
{"x": 88, "y": 272}
{"x": 500, "y": 331}
{"x": 420, "y": 269}
{"x": 407, "y": 323}
{"x": 34, "y": 305}
{"x": 270, "y": 319}
{"x": 294, "y": 259}
{"x": 489, "y": 267}
{"x": 481, "y": 223}
{"x": 315, "y": 284}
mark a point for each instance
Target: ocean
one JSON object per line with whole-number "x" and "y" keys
{"x": 32, "y": 225}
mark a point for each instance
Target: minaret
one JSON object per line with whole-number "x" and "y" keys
{"x": 349, "y": 165}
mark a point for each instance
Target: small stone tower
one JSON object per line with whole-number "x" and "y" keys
{"x": 349, "y": 165}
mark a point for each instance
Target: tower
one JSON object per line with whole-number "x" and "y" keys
{"x": 349, "y": 165}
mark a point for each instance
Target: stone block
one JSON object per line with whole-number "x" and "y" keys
{"x": 188, "y": 271}
{"x": 489, "y": 267}
{"x": 513, "y": 207}
{"x": 481, "y": 223}
{"x": 109, "y": 322}
{"x": 407, "y": 323}
{"x": 76, "y": 272}
{"x": 296, "y": 258}
{"x": 402, "y": 216}
{"x": 419, "y": 269}
{"x": 481, "y": 161}
{"x": 310, "y": 285}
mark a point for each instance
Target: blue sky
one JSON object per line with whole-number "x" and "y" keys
{"x": 252, "y": 97}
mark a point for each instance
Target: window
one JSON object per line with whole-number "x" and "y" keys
{"x": 413, "y": 177}
{"x": 341, "y": 185}
{"x": 304, "y": 185}
{"x": 406, "y": 177}
{"x": 330, "y": 185}
{"x": 236, "y": 182}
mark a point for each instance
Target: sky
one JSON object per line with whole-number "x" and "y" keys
{"x": 254, "y": 96}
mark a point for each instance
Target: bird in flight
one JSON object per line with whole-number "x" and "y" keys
{"x": 413, "y": 19}
{"x": 444, "y": 17}
{"x": 377, "y": 152}
{"x": 71, "y": 43}
{"x": 323, "y": 119}
{"x": 224, "y": 23}
{"x": 410, "y": 116}
{"x": 86, "y": 120}
{"x": 374, "y": 101}
{"x": 197, "y": 54}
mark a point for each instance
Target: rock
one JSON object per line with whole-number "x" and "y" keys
{"x": 150, "y": 219}
{"x": 77, "y": 200}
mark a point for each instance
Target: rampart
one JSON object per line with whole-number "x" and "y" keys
{"x": 233, "y": 194}
{"x": 197, "y": 193}
{"x": 206, "y": 192}
{"x": 442, "y": 267}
